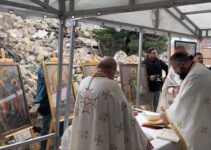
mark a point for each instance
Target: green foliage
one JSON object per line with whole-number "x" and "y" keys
{"x": 158, "y": 42}
{"x": 112, "y": 41}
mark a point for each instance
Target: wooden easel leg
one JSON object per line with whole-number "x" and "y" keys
{"x": 50, "y": 131}
{"x": 2, "y": 143}
{"x": 33, "y": 136}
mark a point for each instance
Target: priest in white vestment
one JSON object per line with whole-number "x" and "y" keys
{"x": 102, "y": 116}
{"x": 171, "y": 86}
{"x": 169, "y": 90}
{"x": 190, "y": 113}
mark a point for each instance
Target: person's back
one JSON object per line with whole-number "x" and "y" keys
{"x": 102, "y": 118}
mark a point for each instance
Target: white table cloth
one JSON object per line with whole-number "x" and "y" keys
{"x": 158, "y": 144}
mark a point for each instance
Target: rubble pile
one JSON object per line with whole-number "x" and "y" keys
{"x": 30, "y": 40}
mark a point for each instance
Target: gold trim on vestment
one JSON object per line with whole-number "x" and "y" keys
{"x": 184, "y": 146}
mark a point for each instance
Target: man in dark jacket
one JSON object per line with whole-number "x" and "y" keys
{"x": 154, "y": 70}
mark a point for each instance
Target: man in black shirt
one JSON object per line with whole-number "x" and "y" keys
{"x": 154, "y": 70}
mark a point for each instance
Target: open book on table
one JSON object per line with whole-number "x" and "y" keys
{"x": 169, "y": 135}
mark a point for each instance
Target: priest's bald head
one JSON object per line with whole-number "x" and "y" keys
{"x": 107, "y": 66}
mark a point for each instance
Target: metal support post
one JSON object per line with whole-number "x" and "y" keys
{"x": 169, "y": 50}
{"x": 69, "y": 85}
{"x": 59, "y": 79}
{"x": 199, "y": 46}
{"x": 139, "y": 69}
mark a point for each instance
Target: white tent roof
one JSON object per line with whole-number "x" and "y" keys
{"x": 189, "y": 20}
{"x": 186, "y": 17}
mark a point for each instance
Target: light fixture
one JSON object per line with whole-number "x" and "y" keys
{"x": 72, "y": 17}
{"x": 98, "y": 13}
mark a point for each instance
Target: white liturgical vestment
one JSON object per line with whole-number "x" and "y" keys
{"x": 103, "y": 119}
{"x": 190, "y": 113}
{"x": 166, "y": 96}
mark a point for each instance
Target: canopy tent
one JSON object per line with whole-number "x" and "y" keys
{"x": 190, "y": 20}
{"x": 186, "y": 17}
{"x": 183, "y": 17}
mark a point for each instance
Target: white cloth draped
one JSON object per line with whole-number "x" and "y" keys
{"x": 190, "y": 113}
{"x": 167, "y": 97}
{"x": 103, "y": 120}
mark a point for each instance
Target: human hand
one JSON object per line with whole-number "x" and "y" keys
{"x": 152, "y": 77}
{"x": 176, "y": 90}
{"x": 163, "y": 117}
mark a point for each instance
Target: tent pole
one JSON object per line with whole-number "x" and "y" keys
{"x": 169, "y": 49}
{"x": 69, "y": 96}
{"x": 59, "y": 80}
{"x": 199, "y": 46}
{"x": 139, "y": 69}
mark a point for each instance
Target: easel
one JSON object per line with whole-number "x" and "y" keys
{"x": 54, "y": 59}
{"x": 30, "y": 128}
{"x": 3, "y": 59}
{"x": 93, "y": 60}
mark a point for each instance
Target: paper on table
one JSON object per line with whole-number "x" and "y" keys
{"x": 169, "y": 135}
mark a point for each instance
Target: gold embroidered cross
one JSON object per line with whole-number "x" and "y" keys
{"x": 103, "y": 116}
{"x": 84, "y": 134}
{"x": 106, "y": 95}
{"x": 99, "y": 140}
{"x": 87, "y": 100}
{"x": 112, "y": 147}
{"x": 206, "y": 100}
{"x": 179, "y": 124}
{"x": 203, "y": 130}
{"x": 119, "y": 128}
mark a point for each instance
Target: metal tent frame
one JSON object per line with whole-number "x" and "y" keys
{"x": 99, "y": 13}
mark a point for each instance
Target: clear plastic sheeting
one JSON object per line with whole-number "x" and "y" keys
{"x": 141, "y": 18}
{"x": 167, "y": 22}
{"x": 148, "y": 1}
{"x": 55, "y": 3}
{"x": 196, "y": 7}
{"x": 96, "y": 4}
{"x": 147, "y": 19}
{"x": 26, "y": 2}
{"x": 201, "y": 20}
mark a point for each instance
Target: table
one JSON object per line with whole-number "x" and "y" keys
{"x": 158, "y": 144}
